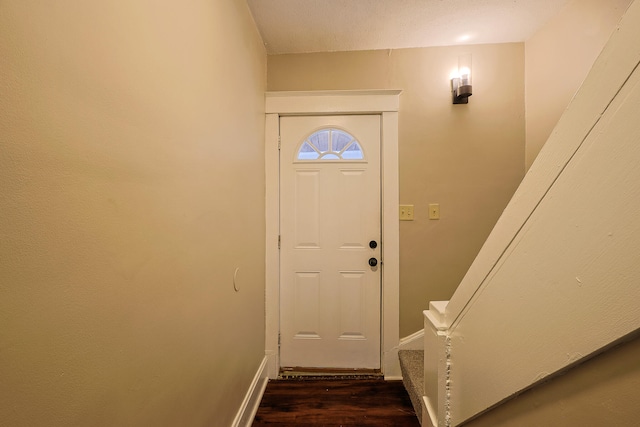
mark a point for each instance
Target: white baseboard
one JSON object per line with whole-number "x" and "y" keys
{"x": 252, "y": 399}
{"x": 273, "y": 364}
{"x": 414, "y": 341}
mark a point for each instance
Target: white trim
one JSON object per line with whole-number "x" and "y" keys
{"x": 385, "y": 103}
{"x": 429, "y": 418}
{"x": 251, "y": 402}
{"x": 415, "y": 341}
{"x": 393, "y": 377}
{"x": 436, "y": 314}
{"x": 391, "y": 246}
{"x": 436, "y": 369}
{"x": 272, "y": 260}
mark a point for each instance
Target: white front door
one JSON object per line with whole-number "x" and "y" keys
{"x": 330, "y": 228}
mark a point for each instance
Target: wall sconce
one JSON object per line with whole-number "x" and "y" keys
{"x": 461, "y": 81}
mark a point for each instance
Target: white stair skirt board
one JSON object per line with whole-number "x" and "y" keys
{"x": 251, "y": 402}
{"x": 415, "y": 341}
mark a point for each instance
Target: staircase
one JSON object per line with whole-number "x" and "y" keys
{"x": 536, "y": 304}
{"x": 412, "y": 366}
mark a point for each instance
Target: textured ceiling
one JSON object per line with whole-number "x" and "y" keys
{"x": 295, "y": 26}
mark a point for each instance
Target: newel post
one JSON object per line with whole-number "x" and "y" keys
{"x": 436, "y": 365}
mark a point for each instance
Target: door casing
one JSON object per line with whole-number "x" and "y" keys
{"x": 386, "y": 104}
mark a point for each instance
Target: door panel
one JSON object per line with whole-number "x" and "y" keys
{"x": 329, "y": 212}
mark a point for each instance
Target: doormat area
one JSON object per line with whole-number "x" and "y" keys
{"x": 307, "y": 377}
{"x": 302, "y": 374}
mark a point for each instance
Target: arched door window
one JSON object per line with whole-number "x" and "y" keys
{"x": 330, "y": 144}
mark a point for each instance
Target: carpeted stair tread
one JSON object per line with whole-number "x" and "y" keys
{"x": 412, "y": 366}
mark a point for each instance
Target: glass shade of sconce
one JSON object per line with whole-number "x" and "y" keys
{"x": 461, "y": 88}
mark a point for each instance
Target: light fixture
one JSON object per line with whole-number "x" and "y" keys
{"x": 461, "y": 81}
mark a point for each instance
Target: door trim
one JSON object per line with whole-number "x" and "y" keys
{"x": 386, "y": 104}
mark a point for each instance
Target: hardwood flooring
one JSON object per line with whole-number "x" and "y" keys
{"x": 335, "y": 402}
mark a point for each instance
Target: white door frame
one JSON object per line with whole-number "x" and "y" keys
{"x": 386, "y": 104}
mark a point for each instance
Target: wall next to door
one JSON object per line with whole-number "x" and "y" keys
{"x": 131, "y": 188}
{"x": 468, "y": 158}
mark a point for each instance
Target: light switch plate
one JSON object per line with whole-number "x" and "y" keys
{"x": 434, "y": 211}
{"x": 406, "y": 212}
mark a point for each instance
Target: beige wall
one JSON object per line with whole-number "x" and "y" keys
{"x": 131, "y": 187}
{"x": 558, "y": 58}
{"x": 468, "y": 158}
{"x": 602, "y": 391}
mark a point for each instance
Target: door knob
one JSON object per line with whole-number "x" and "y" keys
{"x": 373, "y": 244}
{"x": 373, "y": 262}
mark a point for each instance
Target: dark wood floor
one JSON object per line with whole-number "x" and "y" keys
{"x": 359, "y": 402}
